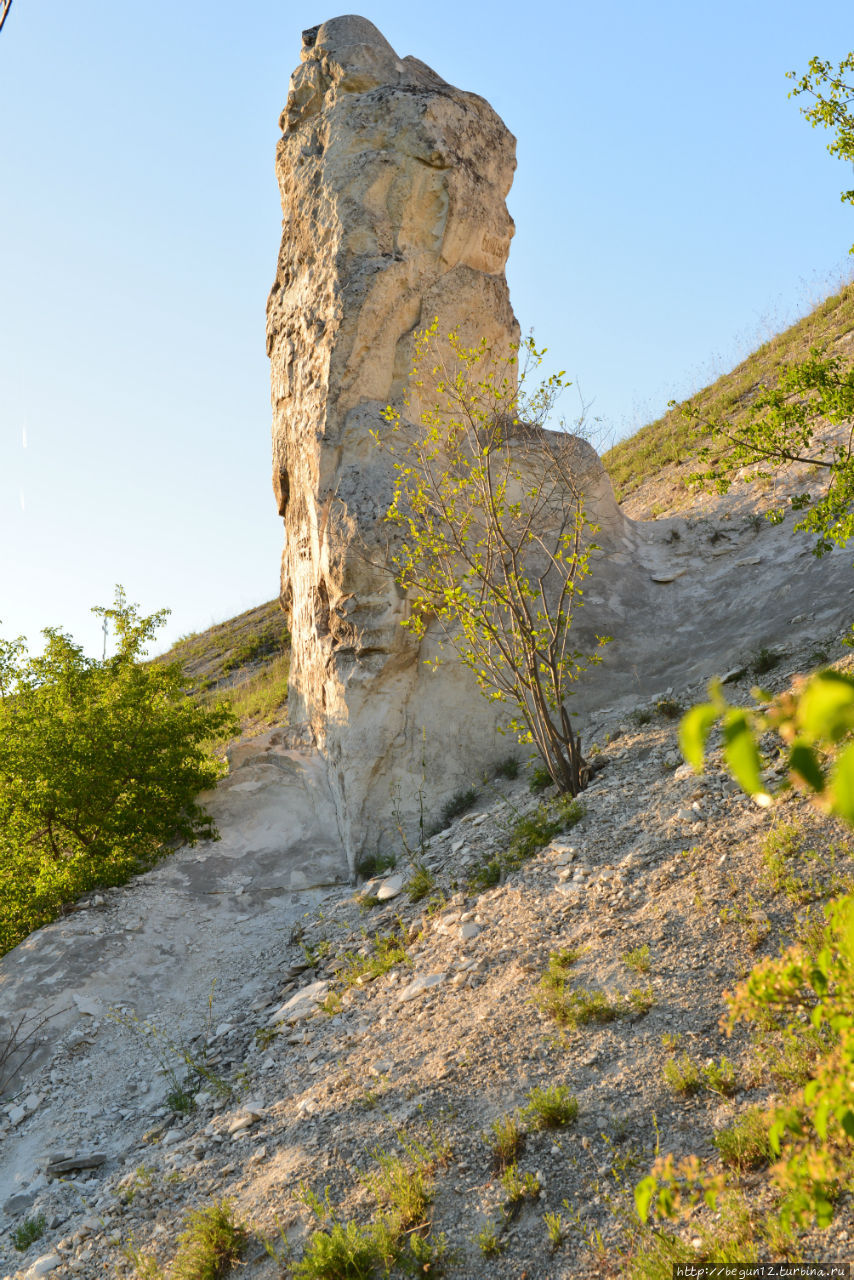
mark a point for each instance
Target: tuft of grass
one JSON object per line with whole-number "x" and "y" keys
{"x": 764, "y": 660}
{"x": 719, "y": 1077}
{"x": 541, "y": 779}
{"x": 386, "y": 951}
{"x": 551, "y": 1108}
{"x": 506, "y": 1139}
{"x": 460, "y": 802}
{"x": 682, "y": 1075}
{"x": 555, "y": 1228}
{"x": 489, "y": 1241}
{"x": 374, "y": 864}
{"x": 527, "y": 836}
{"x": 638, "y": 959}
{"x": 29, "y": 1231}
{"x": 420, "y": 883}
{"x": 345, "y": 1251}
{"x": 519, "y": 1187}
{"x": 485, "y": 876}
{"x": 211, "y": 1244}
{"x": 669, "y": 708}
{"x": 745, "y": 1145}
{"x": 507, "y": 768}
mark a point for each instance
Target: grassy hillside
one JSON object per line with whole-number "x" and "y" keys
{"x": 245, "y": 660}
{"x": 668, "y": 443}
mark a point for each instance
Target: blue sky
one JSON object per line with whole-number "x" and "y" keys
{"x": 672, "y": 208}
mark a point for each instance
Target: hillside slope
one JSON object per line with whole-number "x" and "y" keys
{"x": 649, "y": 470}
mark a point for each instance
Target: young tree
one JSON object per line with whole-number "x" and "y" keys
{"x": 785, "y": 423}
{"x": 494, "y": 544}
{"x": 100, "y": 766}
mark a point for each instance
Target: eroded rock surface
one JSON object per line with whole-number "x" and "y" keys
{"x": 393, "y": 187}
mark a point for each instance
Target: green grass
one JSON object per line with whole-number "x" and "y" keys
{"x": 682, "y": 1075}
{"x": 420, "y": 883}
{"x": 671, "y": 439}
{"x": 459, "y": 803}
{"x": 551, "y": 1108}
{"x": 211, "y": 1244}
{"x": 506, "y": 1139}
{"x": 744, "y": 1145}
{"x": 30, "y": 1230}
{"x": 637, "y": 958}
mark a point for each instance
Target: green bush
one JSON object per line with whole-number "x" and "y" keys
{"x": 100, "y": 766}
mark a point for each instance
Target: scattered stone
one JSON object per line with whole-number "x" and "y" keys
{"x": 390, "y": 888}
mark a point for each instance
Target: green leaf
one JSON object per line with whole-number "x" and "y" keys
{"x": 741, "y": 753}
{"x": 826, "y": 707}
{"x": 644, "y": 1191}
{"x": 694, "y": 730}
{"x": 843, "y": 786}
{"x": 803, "y": 762}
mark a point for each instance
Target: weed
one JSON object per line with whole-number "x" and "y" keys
{"x": 682, "y": 1075}
{"x": 401, "y": 1188}
{"x": 489, "y": 1241}
{"x": 574, "y": 1007}
{"x": 374, "y": 864}
{"x": 30, "y": 1230}
{"x": 640, "y": 1000}
{"x": 641, "y": 716}
{"x": 671, "y": 1040}
{"x": 144, "y": 1265}
{"x": 556, "y": 1229}
{"x": 551, "y": 1108}
{"x": 460, "y": 802}
{"x": 519, "y": 1187}
{"x": 346, "y": 1251}
{"x": 745, "y": 1144}
{"x": 790, "y": 1056}
{"x": 719, "y": 1077}
{"x": 430, "y": 1254}
{"x": 764, "y": 660}
{"x": 264, "y": 1036}
{"x": 541, "y": 779}
{"x": 508, "y": 768}
{"x": 638, "y": 959}
{"x": 18, "y": 1042}
{"x": 386, "y": 951}
{"x": 485, "y": 876}
{"x": 183, "y": 1084}
{"x": 669, "y": 708}
{"x": 210, "y": 1245}
{"x": 331, "y": 1003}
{"x": 506, "y": 1140}
{"x": 420, "y": 883}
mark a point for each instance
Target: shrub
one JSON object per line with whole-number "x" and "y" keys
{"x": 682, "y": 1075}
{"x": 745, "y": 1144}
{"x": 551, "y": 1108}
{"x": 30, "y": 1230}
{"x": 100, "y": 766}
{"x": 506, "y": 1139}
{"x": 210, "y": 1245}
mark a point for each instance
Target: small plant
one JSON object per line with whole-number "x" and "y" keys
{"x": 640, "y": 999}
{"x": 551, "y": 1108}
{"x": 489, "y": 1241}
{"x": 641, "y": 716}
{"x": 556, "y": 1229}
{"x": 485, "y": 876}
{"x": 669, "y": 708}
{"x": 387, "y": 950}
{"x": 420, "y": 883}
{"x": 506, "y": 1140}
{"x": 401, "y": 1188}
{"x": 682, "y": 1075}
{"x": 30, "y": 1230}
{"x": 719, "y": 1077}
{"x": 519, "y": 1187}
{"x": 211, "y": 1244}
{"x": 460, "y": 802}
{"x": 541, "y": 779}
{"x": 745, "y": 1144}
{"x": 638, "y": 959}
{"x": 374, "y": 864}
{"x": 508, "y": 768}
{"x": 346, "y": 1251}
{"x": 764, "y": 660}
{"x": 671, "y": 1040}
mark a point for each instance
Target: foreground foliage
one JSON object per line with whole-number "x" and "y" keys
{"x": 494, "y": 544}
{"x": 100, "y": 766}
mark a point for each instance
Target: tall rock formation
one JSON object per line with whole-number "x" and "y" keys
{"x": 393, "y": 187}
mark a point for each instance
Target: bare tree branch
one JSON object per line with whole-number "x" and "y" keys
{"x": 5, "y": 6}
